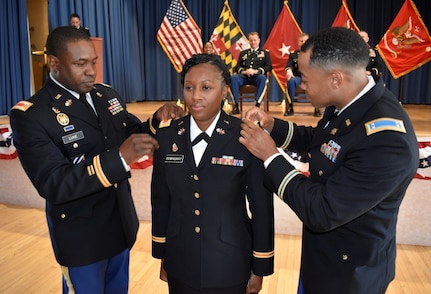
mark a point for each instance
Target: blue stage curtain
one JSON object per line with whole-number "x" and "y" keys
{"x": 15, "y": 57}
{"x": 136, "y": 65}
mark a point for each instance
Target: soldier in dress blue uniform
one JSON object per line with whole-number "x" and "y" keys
{"x": 75, "y": 140}
{"x": 375, "y": 65}
{"x": 293, "y": 77}
{"x": 362, "y": 156}
{"x": 201, "y": 179}
{"x": 75, "y": 21}
{"x": 252, "y": 66}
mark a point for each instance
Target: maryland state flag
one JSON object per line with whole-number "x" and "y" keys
{"x": 282, "y": 40}
{"x": 344, "y": 18}
{"x": 228, "y": 39}
{"x": 406, "y": 45}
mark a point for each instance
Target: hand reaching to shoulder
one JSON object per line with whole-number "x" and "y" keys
{"x": 169, "y": 110}
{"x": 256, "y": 114}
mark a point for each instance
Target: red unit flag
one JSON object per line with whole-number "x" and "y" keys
{"x": 406, "y": 45}
{"x": 344, "y": 18}
{"x": 282, "y": 40}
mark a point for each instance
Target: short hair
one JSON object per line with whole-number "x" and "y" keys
{"x": 253, "y": 33}
{"x": 60, "y": 36}
{"x": 74, "y": 15}
{"x": 206, "y": 58}
{"x": 336, "y": 46}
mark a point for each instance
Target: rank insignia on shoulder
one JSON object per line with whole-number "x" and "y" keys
{"x": 23, "y": 105}
{"x": 384, "y": 124}
{"x": 106, "y": 85}
{"x": 165, "y": 123}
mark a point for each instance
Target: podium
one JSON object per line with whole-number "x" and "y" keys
{"x": 98, "y": 45}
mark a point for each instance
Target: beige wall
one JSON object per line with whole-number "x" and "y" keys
{"x": 38, "y": 26}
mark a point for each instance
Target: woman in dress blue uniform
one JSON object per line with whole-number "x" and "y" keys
{"x": 362, "y": 156}
{"x": 201, "y": 229}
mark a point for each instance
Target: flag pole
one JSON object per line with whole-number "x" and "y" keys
{"x": 400, "y": 95}
{"x": 179, "y": 102}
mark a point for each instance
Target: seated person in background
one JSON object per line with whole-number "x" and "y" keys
{"x": 209, "y": 48}
{"x": 252, "y": 66}
{"x": 75, "y": 21}
{"x": 375, "y": 66}
{"x": 293, "y": 76}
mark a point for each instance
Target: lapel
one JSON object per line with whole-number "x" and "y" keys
{"x": 181, "y": 140}
{"x": 101, "y": 104}
{"x": 349, "y": 118}
{"x": 64, "y": 102}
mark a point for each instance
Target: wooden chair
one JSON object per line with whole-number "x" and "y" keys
{"x": 300, "y": 95}
{"x": 248, "y": 91}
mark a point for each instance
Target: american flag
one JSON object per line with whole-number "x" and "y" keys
{"x": 424, "y": 169}
{"x": 179, "y": 35}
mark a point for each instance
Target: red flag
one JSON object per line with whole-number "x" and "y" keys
{"x": 281, "y": 41}
{"x": 179, "y": 35}
{"x": 228, "y": 38}
{"x": 406, "y": 45}
{"x": 344, "y": 18}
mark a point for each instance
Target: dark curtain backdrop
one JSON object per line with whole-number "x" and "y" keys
{"x": 136, "y": 65}
{"x": 15, "y": 59}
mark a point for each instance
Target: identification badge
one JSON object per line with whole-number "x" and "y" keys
{"x": 174, "y": 158}
{"x": 73, "y": 137}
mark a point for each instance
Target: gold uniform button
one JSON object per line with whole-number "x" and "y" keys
{"x": 75, "y": 145}
{"x": 195, "y": 177}
{"x": 309, "y": 155}
{"x": 197, "y": 195}
{"x": 62, "y": 215}
{"x": 124, "y": 124}
{"x": 320, "y": 173}
{"x": 197, "y": 230}
{"x": 115, "y": 185}
{"x": 345, "y": 257}
{"x": 197, "y": 212}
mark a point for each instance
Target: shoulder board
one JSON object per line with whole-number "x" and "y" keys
{"x": 23, "y": 105}
{"x": 165, "y": 123}
{"x": 384, "y": 124}
{"x": 106, "y": 85}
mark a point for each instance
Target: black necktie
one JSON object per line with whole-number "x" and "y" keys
{"x": 202, "y": 136}
{"x": 83, "y": 99}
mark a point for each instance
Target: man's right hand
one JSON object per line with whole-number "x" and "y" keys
{"x": 258, "y": 115}
{"x": 136, "y": 146}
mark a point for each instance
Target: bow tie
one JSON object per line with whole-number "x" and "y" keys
{"x": 202, "y": 136}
